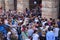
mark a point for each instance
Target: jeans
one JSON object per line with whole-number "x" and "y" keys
{"x": 20, "y": 37}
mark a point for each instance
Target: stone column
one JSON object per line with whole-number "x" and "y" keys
{"x": 55, "y": 6}
{"x": 49, "y": 8}
{"x": 26, "y": 4}
{"x": 6, "y": 5}
{"x": 19, "y": 5}
{"x": 11, "y": 4}
{"x": 22, "y": 4}
{"x": 0, "y": 3}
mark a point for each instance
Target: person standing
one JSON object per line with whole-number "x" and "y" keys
{"x": 2, "y": 28}
{"x": 19, "y": 32}
{"x": 50, "y": 34}
{"x": 35, "y": 35}
{"x": 25, "y": 33}
{"x": 8, "y": 34}
{"x": 56, "y": 31}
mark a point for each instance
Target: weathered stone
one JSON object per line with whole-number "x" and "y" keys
{"x": 6, "y": 5}
{"x": 0, "y": 3}
{"x": 11, "y": 4}
{"x": 22, "y": 4}
{"x": 49, "y": 8}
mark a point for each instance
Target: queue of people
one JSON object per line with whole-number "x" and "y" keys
{"x": 28, "y": 26}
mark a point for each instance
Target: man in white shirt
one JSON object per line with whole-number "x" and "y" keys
{"x": 56, "y": 30}
{"x": 35, "y": 36}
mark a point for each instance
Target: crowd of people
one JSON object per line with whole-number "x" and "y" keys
{"x": 28, "y": 25}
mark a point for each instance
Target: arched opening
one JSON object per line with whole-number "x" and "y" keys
{"x": 37, "y": 5}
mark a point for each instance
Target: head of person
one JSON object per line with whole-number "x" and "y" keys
{"x": 46, "y": 20}
{"x": 1, "y": 20}
{"x": 8, "y": 29}
{"x": 56, "y": 26}
{"x": 51, "y": 19}
{"x": 35, "y": 31}
{"x": 50, "y": 29}
{"x": 46, "y": 24}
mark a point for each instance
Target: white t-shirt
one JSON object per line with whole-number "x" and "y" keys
{"x": 8, "y": 35}
{"x": 35, "y": 36}
{"x": 46, "y": 28}
{"x": 56, "y": 30}
{"x": 36, "y": 20}
{"x": 43, "y": 23}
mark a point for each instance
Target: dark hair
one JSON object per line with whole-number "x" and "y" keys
{"x": 46, "y": 24}
{"x": 49, "y": 29}
{"x": 45, "y": 19}
{"x": 2, "y": 20}
{"x": 35, "y": 31}
{"x": 50, "y": 18}
{"x": 8, "y": 29}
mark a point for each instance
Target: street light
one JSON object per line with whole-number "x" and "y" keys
{"x": 35, "y": 2}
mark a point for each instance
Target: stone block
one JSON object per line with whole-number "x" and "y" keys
{"x": 47, "y": 4}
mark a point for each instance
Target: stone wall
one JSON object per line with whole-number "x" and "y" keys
{"x": 6, "y": 5}
{"x": 11, "y": 4}
{"x": 22, "y": 4}
{"x": 49, "y": 8}
{"x": 2, "y": 4}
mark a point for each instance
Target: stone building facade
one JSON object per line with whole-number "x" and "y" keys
{"x": 49, "y": 7}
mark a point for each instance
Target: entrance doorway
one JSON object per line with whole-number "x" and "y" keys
{"x": 34, "y": 3}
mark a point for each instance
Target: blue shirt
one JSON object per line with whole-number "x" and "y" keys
{"x": 50, "y": 35}
{"x": 13, "y": 22}
{"x": 3, "y": 30}
{"x": 30, "y": 32}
